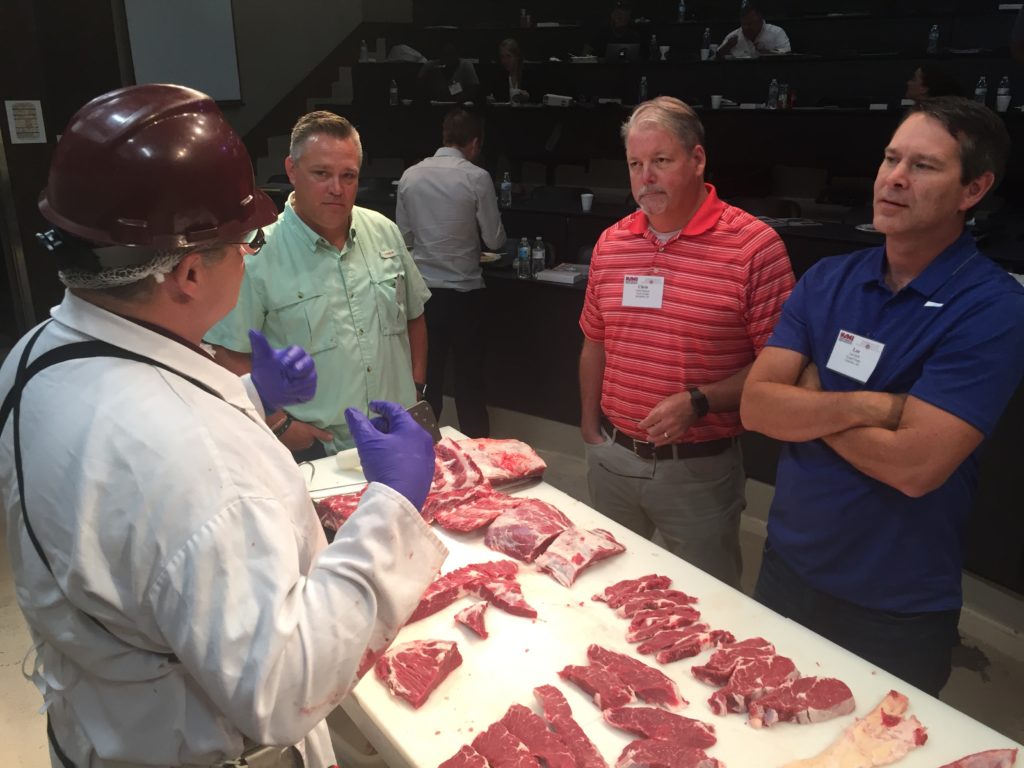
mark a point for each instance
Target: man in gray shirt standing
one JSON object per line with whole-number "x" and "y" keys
{"x": 446, "y": 206}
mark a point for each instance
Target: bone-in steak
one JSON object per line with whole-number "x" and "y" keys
{"x": 413, "y": 670}
{"x": 807, "y": 700}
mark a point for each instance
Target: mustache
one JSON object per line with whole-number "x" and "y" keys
{"x": 649, "y": 189}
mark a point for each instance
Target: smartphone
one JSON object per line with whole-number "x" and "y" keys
{"x": 423, "y": 415}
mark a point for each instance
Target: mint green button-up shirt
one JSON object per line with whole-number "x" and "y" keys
{"x": 349, "y": 309}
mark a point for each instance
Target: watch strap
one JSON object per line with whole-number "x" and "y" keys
{"x": 700, "y": 403}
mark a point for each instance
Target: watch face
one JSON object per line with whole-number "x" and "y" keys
{"x": 700, "y": 403}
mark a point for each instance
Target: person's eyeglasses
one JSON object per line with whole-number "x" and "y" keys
{"x": 254, "y": 245}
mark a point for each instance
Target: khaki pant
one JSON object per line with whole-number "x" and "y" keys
{"x": 695, "y": 503}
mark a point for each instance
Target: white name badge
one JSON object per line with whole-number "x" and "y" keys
{"x": 455, "y": 89}
{"x": 387, "y": 253}
{"x": 642, "y": 291}
{"x": 855, "y": 356}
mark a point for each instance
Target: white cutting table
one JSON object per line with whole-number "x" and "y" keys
{"x": 521, "y": 654}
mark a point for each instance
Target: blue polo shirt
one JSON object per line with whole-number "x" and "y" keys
{"x": 954, "y": 337}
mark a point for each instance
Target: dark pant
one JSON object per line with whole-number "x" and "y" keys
{"x": 314, "y": 452}
{"x": 455, "y": 323}
{"x": 916, "y": 647}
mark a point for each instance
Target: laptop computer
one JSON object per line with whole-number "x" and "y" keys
{"x": 622, "y": 52}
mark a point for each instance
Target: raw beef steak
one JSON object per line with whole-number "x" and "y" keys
{"x": 606, "y": 688}
{"x": 992, "y": 758}
{"x": 647, "y": 624}
{"x": 650, "y": 684}
{"x": 558, "y": 713}
{"x": 524, "y": 531}
{"x": 507, "y": 595}
{"x": 464, "y": 509}
{"x": 502, "y": 749}
{"x": 720, "y": 666}
{"x": 333, "y": 511}
{"x": 655, "y": 753}
{"x": 504, "y": 461}
{"x": 619, "y": 591}
{"x": 453, "y": 468}
{"x": 473, "y": 617}
{"x": 413, "y": 670}
{"x": 530, "y": 729}
{"x": 882, "y": 737}
{"x": 656, "y": 599}
{"x": 674, "y": 644}
{"x": 751, "y": 680}
{"x": 807, "y": 700}
{"x": 448, "y": 588}
{"x": 574, "y": 550}
{"x": 654, "y": 723}
{"x": 466, "y": 757}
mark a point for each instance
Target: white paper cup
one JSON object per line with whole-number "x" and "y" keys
{"x": 587, "y": 201}
{"x": 704, "y": 54}
{"x": 716, "y": 101}
{"x": 1002, "y": 102}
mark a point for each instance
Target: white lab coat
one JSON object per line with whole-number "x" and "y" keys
{"x": 185, "y": 527}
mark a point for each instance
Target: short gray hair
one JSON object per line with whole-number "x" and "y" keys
{"x": 671, "y": 114}
{"x": 322, "y": 122}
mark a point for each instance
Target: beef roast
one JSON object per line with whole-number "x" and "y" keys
{"x": 524, "y": 531}
{"x": 617, "y": 592}
{"x": 720, "y": 666}
{"x": 558, "y": 713}
{"x": 412, "y": 670}
{"x": 530, "y": 729}
{"x": 575, "y": 549}
{"x": 751, "y": 680}
{"x": 806, "y": 700}
{"x": 504, "y": 461}
{"x": 649, "y": 684}
{"x": 654, "y": 723}
{"x": 473, "y": 617}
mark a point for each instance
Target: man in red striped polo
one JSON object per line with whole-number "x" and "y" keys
{"x": 682, "y": 295}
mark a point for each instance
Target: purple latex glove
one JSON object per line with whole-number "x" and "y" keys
{"x": 281, "y": 376}
{"x": 394, "y": 450}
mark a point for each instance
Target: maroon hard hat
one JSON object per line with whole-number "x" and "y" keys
{"x": 156, "y": 166}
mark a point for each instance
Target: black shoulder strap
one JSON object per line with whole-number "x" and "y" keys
{"x": 12, "y": 406}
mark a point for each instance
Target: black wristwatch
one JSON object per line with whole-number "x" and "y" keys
{"x": 700, "y": 403}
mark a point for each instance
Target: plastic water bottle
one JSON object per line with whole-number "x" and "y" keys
{"x": 933, "y": 39}
{"x": 642, "y": 97}
{"x": 773, "y": 94}
{"x": 705, "y": 44}
{"x": 523, "y": 259}
{"x": 364, "y": 52}
{"x": 981, "y": 90}
{"x": 1003, "y": 94}
{"x": 681, "y": 11}
{"x": 393, "y": 94}
{"x": 537, "y": 261}
{"x": 505, "y": 199}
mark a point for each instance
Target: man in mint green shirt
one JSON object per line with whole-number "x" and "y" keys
{"x": 338, "y": 281}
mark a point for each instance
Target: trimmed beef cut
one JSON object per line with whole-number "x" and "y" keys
{"x": 473, "y": 617}
{"x": 656, "y": 599}
{"x": 333, "y": 511}
{"x": 655, "y": 753}
{"x": 507, "y": 595}
{"x": 720, "y": 666}
{"x": 558, "y": 713}
{"x": 807, "y": 700}
{"x": 751, "y": 680}
{"x": 674, "y": 644}
{"x": 466, "y": 757}
{"x": 453, "y": 467}
{"x": 448, "y": 588}
{"x": 882, "y": 737}
{"x": 991, "y": 758}
{"x": 575, "y": 549}
{"x": 646, "y": 624}
{"x": 650, "y": 684}
{"x": 530, "y": 729}
{"x": 413, "y": 670}
{"x": 654, "y": 723}
{"x": 524, "y": 531}
{"x": 504, "y": 461}
{"x": 502, "y": 749}
{"x": 617, "y": 592}
{"x": 464, "y": 509}
{"x": 603, "y": 685}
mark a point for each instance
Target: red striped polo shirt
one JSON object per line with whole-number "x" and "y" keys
{"x": 727, "y": 275}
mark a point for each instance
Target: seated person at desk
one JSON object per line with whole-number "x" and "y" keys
{"x": 929, "y": 81}
{"x": 620, "y": 31}
{"x": 446, "y": 204}
{"x": 754, "y": 37}
{"x": 447, "y": 78}
{"x": 508, "y": 85}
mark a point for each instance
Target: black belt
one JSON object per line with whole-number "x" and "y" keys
{"x": 647, "y": 450}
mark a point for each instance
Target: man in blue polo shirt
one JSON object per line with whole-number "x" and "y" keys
{"x": 888, "y": 369}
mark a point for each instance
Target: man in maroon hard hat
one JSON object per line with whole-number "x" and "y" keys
{"x": 185, "y": 606}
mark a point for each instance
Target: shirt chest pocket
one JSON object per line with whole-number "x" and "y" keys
{"x": 306, "y": 323}
{"x": 389, "y": 291}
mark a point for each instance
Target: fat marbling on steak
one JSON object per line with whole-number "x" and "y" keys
{"x": 503, "y": 461}
{"x": 805, "y": 700}
{"x": 413, "y": 670}
{"x": 558, "y": 713}
{"x": 574, "y": 550}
